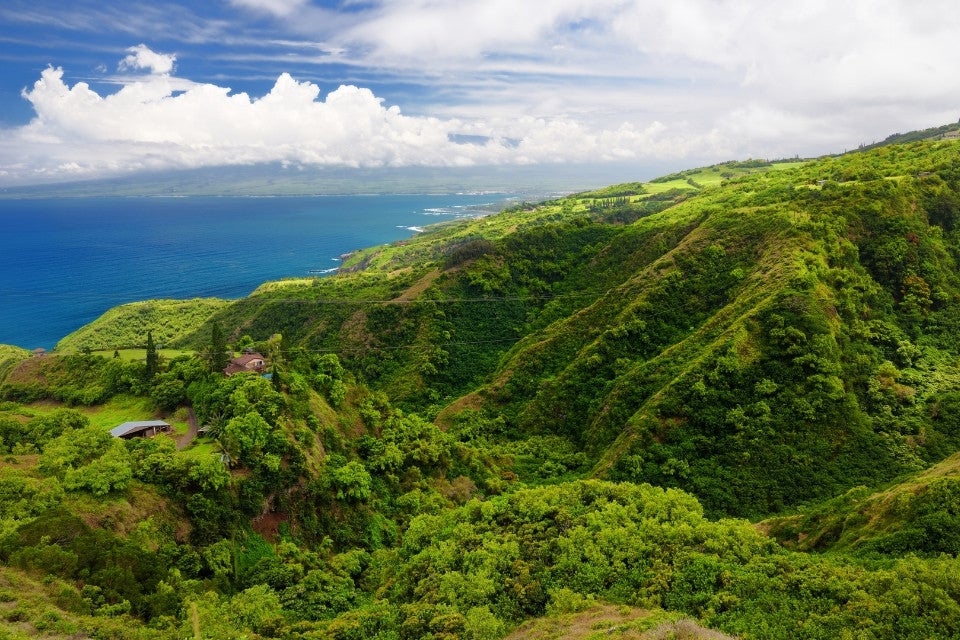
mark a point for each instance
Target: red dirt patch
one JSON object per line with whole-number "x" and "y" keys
{"x": 267, "y": 525}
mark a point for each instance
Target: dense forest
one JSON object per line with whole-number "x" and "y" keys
{"x": 723, "y": 403}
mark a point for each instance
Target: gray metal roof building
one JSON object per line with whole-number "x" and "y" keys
{"x": 139, "y": 428}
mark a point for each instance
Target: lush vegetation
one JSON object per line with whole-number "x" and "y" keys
{"x": 920, "y": 514}
{"x": 565, "y": 412}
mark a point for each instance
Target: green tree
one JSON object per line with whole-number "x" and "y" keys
{"x": 109, "y": 472}
{"x": 217, "y": 357}
{"x": 168, "y": 392}
{"x": 257, "y": 608}
{"x": 210, "y": 473}
{"x": 320, "y": 594}
{"x": 944, "y": 210}
{"x": 153, "y": 365}
{"x": 72, "y": 449}
{"x": 245, "y": 436}
{"x": 351, "y": 481}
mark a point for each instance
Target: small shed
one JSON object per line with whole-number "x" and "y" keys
{"x": 140, "y": 429}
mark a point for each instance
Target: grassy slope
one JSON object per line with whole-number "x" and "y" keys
{"x": 326, "y": 312}
{"x": 605, "y": 621}
{"x": 581, "y": 376}
{"x": 31, "y": 607}
{"x": 10, "y": 356}
{"x": 127, "y": 325}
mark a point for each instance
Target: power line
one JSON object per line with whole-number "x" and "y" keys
{"x": 318, "y": 301}
{"x": 337, "y": 350}
{"x": 345, "y": 350}
{"x": 348, "y": 301}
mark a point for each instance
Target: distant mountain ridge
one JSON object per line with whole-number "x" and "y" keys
{"x": 277, "y": 180}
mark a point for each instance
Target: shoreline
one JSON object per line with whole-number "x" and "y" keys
{"x": 108, "y": 251}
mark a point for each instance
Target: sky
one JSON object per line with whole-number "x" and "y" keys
{"x": 100, "y": 88}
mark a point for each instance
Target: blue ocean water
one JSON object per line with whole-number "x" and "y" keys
{"x": 66, "y": 261}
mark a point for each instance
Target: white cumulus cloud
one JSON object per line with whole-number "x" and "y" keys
{"x": 160, "y": 121}
{"x": 141, "y": 57}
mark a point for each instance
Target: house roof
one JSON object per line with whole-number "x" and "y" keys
{"x": 246, "y": 359}
{"x": 127, "y": 428}
{"x": 246, "y": 363}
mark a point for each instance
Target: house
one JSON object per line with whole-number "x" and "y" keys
{"x": 139, "y": 429}
{"x": 247, "y": 363}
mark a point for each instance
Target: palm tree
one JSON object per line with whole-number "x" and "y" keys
{"x": 224, "y": 453}
{"x": 214, "y": 424}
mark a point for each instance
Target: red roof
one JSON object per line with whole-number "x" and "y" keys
{"x": 246, "y": 362}
{"x": 246, "y": 359}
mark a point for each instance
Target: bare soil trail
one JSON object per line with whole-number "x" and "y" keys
{"x": 191, "y": 433}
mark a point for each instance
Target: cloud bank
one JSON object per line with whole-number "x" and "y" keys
{"x": 474, "y": 83}
{"x": 755, "y": 77}
{"x": 157, "y": 121}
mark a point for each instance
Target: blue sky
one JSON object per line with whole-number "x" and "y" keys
{"x": 103, "y": 88}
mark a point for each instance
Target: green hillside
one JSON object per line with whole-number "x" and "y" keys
{"x": 761, "y": 342}
{"x": 559, "y": 416}
{"x": 920, "y": 514}
{"x": 126, "y": 326}
{"x": 9, "y": 357}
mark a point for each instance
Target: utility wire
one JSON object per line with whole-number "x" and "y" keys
{"x": 318, "y": 301}
{"x": 342, "y": 349}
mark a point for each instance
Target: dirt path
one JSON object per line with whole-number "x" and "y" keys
{"x": 621, "y": 622}
{"x": 191, "y": 433}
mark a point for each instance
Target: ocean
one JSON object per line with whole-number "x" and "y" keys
{"x": 68, "y": 260}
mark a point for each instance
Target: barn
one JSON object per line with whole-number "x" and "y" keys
{"x": 140, "y": 429}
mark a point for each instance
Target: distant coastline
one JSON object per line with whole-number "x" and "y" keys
{"x": 71, "y": 259}
{"x": 275, "y": 181}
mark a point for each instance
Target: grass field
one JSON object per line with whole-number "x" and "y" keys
{"x": 133, "y": 355}
{"x": 117, "y": 410}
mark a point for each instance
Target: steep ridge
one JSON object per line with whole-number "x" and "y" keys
{"x": 777, "y": 352}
